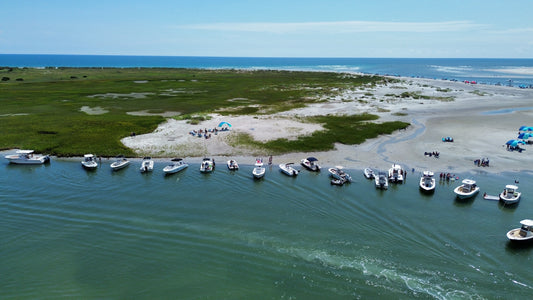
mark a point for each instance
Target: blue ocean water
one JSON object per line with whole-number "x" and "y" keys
{"x": 489, "y": 71}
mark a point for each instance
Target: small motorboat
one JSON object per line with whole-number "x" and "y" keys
{"x": 467, "y": 189}
{"x": 335, "y": 181}
{"x": 120, "y": 163}
{"x": 369, "y": 173}
{"x": 288, "y": 169}
{"x": 147, "y": 164}
{"x": 311, "y": 163}
{"x": 233, "y": 165}
{"x": 509, "y": 195}
{"x": 338, "y": 173}
{"x": 176, "y": 165}
{"x": 258, "y": 171}
{"x": 381, "y": 181}
{"x": 524, "y": 233}
{"x": 427, "y": 182}
{"x": 27, "y": 157}
{"x": 396, "y": 173}
{"x": 207, "y": 165}
{"x": 89, "y": 162}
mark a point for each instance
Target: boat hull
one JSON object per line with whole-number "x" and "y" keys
{"x": 89, "y": 165}
{"x": 259, "y": 173}
{"x": 119, "y": 165}
{"x": 36, "y": 160}
{"x": 461, "y": 195}
{"x": 514, "y": 236}
{"x": 174, "y": 169}
{"x": 510, "y": 200}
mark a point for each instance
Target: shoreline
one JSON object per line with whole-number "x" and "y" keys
{"x": 481, "y": 118}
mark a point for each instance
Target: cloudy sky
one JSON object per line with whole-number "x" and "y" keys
{"x": 395, "y": 28}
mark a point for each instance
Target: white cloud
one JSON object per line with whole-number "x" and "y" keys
{"x": 342, "y": 26}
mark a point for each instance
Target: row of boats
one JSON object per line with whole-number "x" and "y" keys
{"x": 468, "y": 188}
{"x": 396, "y": 174}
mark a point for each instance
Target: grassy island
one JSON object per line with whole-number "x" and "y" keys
{"x": 72, "y": 111}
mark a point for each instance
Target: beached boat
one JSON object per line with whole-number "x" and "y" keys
{"x": 27, "y": 157}
{"x": 467, "y": 189}
{"x": 381, "y": 181}
{"x": 524, "y": 233}
{"x": 232, "y": 165}
{"x": 339, "y": 173}
{"x": 369, "y": 173}
{"x": 147, "y": 164}
{"x": 89, "y": 162}
{"x": 311, "y": 163}
{"x": 259, "y": 170}
{"x": 509, "y": 195}
{"x": 207, "y": 165}
{"x": 176, "y": 165}
{"x": 288, "y": 169}
{"x": 427, "y": 182}
{"x": 120, "y": 163}
{"x": 396, "y": 173}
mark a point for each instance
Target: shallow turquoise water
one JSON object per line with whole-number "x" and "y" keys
{"x": 65, "y": 232}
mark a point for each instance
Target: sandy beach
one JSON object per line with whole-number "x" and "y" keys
{"x": 480, "y": 118}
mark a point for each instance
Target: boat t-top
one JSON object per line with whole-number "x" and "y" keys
{"x": 524, "y": 233}
{"x": 89, "y": 162}
{"x": 396, "y": 173}
{"x": 147, "y": 165}
{"x": 311, "y": 163}
{"x": 381, "y": 180}
{"x": 466, "y": 190}
{"x": 207, "y": 165}
{"x": 259, "y": 170}
{"x": 427, "y": 182}
{"x": 509, "y": 195}
{"x": 27, "y": 157}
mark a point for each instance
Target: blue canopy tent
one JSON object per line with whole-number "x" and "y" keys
{"x": 525, "y": 135}
{"x": 514, "y": 143}
{"x": 224, "y": 125}
{"x": 525, "y": 128}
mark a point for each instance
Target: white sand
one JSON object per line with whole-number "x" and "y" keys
{"x": 476, "y": 135}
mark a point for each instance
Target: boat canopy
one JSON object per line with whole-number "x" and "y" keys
{"x": 468, "y": 181}
{"x": 312, "y": 159}
{"x": 511, "y": 187}
{"x": 428, "y": 173}
{"x": 176, "y": 159}
{"x": 24, "y": 151}
{"x": 527, "y": 222}
{"x": 88, "y": 155}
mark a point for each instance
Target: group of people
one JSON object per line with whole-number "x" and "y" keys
{"x": 484, "y": 162}
{"x": 447, "y": 176}
{"x": 430, "y": 154}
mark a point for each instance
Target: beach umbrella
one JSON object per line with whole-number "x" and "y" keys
{"x": 525, "y": 128}
{"x": 525, "y": 135}
{"x": 224, "y": 123}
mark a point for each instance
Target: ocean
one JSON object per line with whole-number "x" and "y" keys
{"x": 515, "y": 72}
{"x": 69, "y": 233}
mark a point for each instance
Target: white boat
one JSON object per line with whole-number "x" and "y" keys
{"x": 524, "y": 233}
{"x": 176, "y": 165}
{"x": 369, "y": 173}
{"x": 509, "y": 195}
{"x": 396, "y": 173}
{"x": 27, "y": 157}
{"x": 311, "y": 163}
{"x": 466, "y": 190}
{"x": 288, "y": 169}
{"x": 147, "y": 164}
{"x": 427, "y": 182}
{"x": 381, "y": 181}
{"x": 120, "y": 163}
{"x": 207, "y": 165}
{"x": 233, "y": 165}
{"x": 89, "y": 162}
{"x": 259, "y": 170}
{"x": 338, "y": 173}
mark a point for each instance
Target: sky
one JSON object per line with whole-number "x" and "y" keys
{"x": 273, "y": 28}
